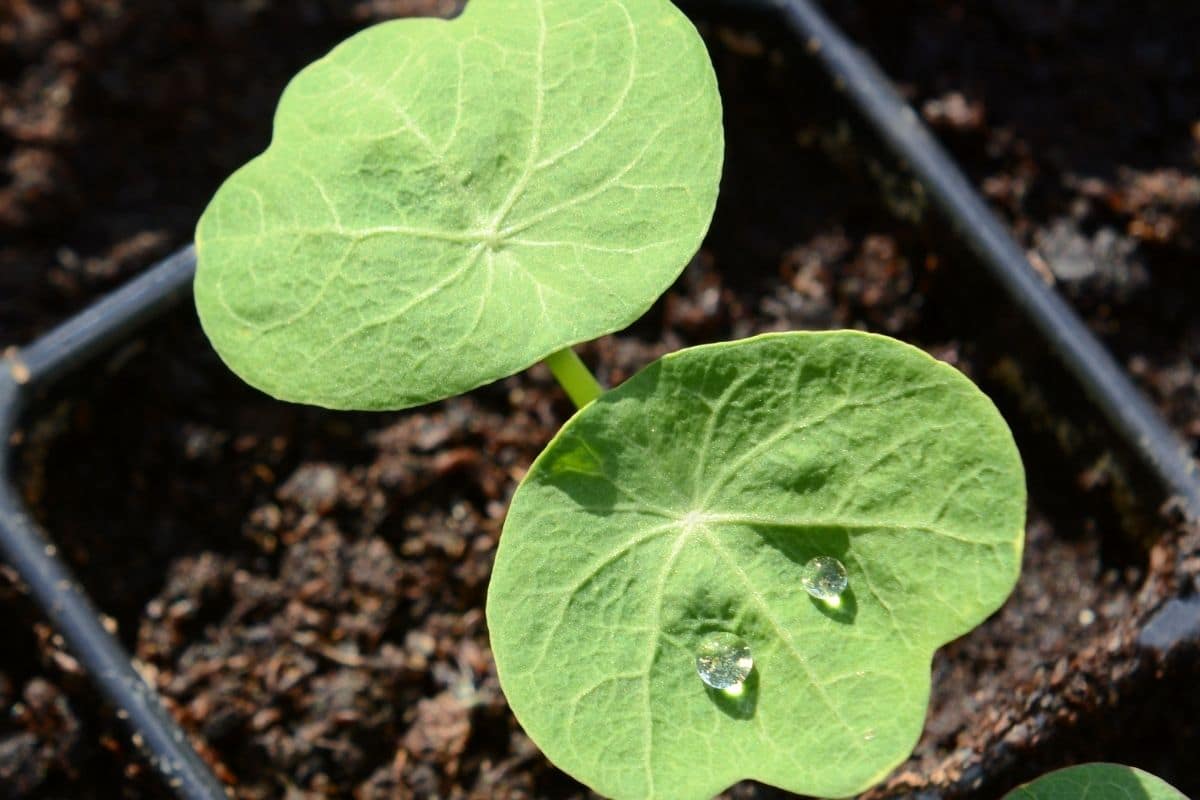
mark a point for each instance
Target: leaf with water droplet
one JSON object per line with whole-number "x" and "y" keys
{"x": 689, "y": 500}
{"x": 445, "y": 203}
{"x": 1097, "y": 782}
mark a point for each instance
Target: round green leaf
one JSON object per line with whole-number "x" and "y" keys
{"x": 686, "y": 503}
{"x": 445, "y": 203}
{"x": 1097, "y": 782}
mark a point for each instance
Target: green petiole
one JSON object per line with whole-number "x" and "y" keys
{"x": 575, "y": 378}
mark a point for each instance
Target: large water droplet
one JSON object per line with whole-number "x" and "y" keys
{"x": 723, "y": 661}
{"x": 825, "y": 579}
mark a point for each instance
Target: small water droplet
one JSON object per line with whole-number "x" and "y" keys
{"x": 869, "y": 735}
{"x": 723, "y": 662}
{"x": 825, "y": 579}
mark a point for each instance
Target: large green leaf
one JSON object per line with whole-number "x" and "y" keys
{"x": 687, "y": 501}
{"x": 1097, "y": 782}
{"x": 445, "y": 203}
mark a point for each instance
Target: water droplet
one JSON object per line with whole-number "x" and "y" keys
{"x": 723, "y": 661}
{"x": 869, "y": 735}
{"x": 825, "y": 579}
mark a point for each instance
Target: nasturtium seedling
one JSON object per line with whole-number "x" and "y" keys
{"x": 735, "y": 565}
{"x": 690, "y": 500}
{"x": 445, "y": 203}
{"x": 1097, "y": 782}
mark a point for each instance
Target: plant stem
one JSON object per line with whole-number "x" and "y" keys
{"x": 574, "y": 376}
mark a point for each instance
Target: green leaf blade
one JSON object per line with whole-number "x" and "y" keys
{"x": 1097, "y": 782}
{"x": 687, "y": 502}
{"x": 485, "y": 191}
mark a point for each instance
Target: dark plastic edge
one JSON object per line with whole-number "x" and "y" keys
{"x": 1084, "y": 356}
{"x": 27, "y": 548}
{"x": 166, "y": 283}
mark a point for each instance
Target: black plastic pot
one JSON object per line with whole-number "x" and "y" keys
{"x": 35, "y": 556}
{"x": 27, "y": 371}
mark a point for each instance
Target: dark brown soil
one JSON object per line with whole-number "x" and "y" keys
{"x": 306, "y": 587}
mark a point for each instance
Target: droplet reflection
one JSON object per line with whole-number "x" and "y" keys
{"x": 723, "y": 661}
{"x": 825, "y": 579}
